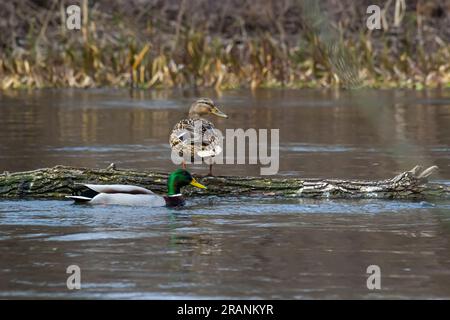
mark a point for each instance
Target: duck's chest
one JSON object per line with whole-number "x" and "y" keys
{"x": 176, "y": 201}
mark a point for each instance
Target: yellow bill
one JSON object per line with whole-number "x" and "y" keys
{"x": 218, "y": 113}
{"x": 196, "y": 184}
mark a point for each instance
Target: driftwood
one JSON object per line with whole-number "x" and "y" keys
{"x": 60, "y": 181}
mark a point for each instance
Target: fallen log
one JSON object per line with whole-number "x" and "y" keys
{"x": 60, "y": 181}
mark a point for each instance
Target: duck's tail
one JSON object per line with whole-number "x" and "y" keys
{"x": 79, "y": 199}
{"x": 210, "y": 152}
{"x": 84, "y": 196}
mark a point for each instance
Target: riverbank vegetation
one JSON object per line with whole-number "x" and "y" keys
{"x": 225, "y": 44}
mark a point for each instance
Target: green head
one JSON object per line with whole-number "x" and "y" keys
{"x": 178, "y": 179}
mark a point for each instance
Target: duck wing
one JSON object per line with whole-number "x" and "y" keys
{"x": 118, "y": 188}
{"x": 195, "y": 136}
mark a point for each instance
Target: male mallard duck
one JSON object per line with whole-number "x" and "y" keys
{"x": 119, "y": 194}
{"x": 183, "y": 139}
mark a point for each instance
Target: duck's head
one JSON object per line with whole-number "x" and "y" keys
{"x": 178, "y": 179}
{"x": 203, "y": 107}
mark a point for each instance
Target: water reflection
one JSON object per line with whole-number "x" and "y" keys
{"x": 376, "y": 132}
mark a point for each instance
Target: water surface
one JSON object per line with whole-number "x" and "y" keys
{"x": 223, "y": 247}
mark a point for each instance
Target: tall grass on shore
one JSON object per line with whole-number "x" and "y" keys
{"x": 291, "y": 44}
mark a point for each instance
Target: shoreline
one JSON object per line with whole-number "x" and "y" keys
{"x": 300, "y": 45}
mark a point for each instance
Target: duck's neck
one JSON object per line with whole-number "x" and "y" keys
{"x": 194, "y": 115}
{"x": 173, "y": 189}
{"x": 174, "y": 197}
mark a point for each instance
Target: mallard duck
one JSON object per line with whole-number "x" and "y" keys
{"x": 119, "y": 194}
{"x": 185, "y": 142}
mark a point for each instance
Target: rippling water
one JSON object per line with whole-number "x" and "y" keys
{"x": 223, "y": 247}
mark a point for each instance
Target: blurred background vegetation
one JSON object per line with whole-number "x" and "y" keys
{"x": 225, "y": 44}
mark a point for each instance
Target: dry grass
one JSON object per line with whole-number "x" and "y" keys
{"x": 224, "y": 44}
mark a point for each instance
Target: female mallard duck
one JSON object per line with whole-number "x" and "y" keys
{"x": 119, "y": 194}
{"x": 183, "y": 138}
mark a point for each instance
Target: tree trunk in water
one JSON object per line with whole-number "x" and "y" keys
{"x": 60, "y": 181}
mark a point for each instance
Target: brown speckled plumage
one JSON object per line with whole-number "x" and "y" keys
{"x": 182, "y": 138}
{"x": 206, "y": 142}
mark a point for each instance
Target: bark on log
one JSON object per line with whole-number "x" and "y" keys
{"x": 60, "y": 181}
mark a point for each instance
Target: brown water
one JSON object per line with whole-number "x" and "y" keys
{"x": 228, "y": 247}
